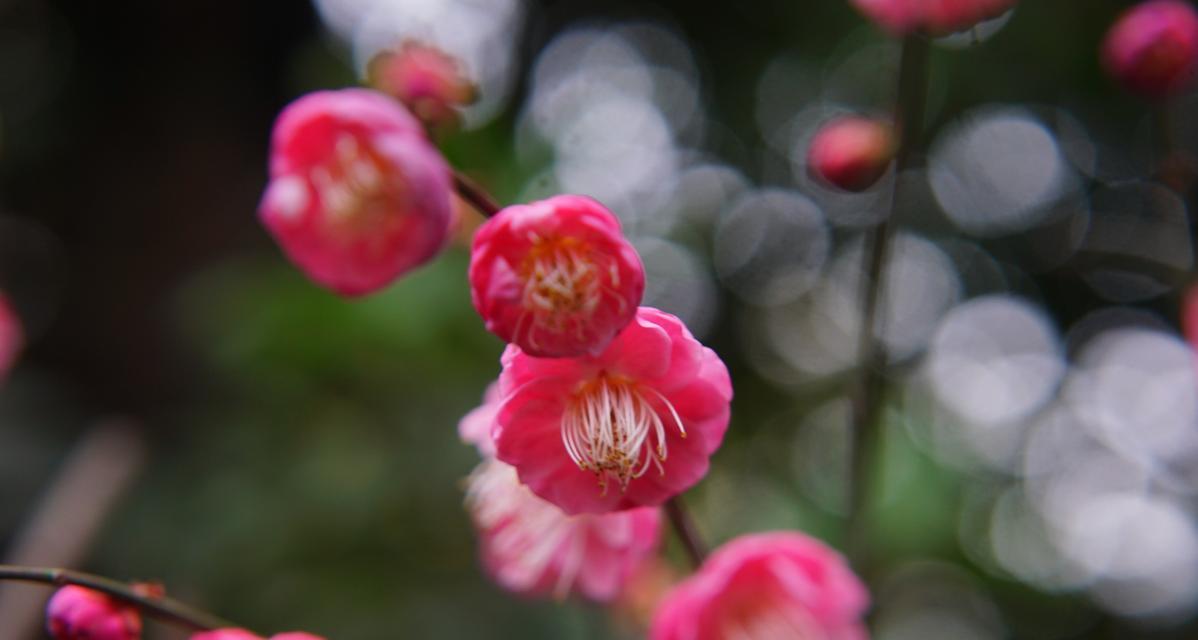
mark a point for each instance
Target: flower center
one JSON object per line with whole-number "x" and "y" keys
{"x": 612, "y": 429}
{"x": 354, "y": 185}
{"x": 770, "y": 622}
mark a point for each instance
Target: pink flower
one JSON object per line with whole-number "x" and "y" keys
{"x": 531, "y": 547}
{"x": 556, "y": 277}
{"x": 11, "y": 336}
{"x": 769, "y": 585}
{"x": 76, "y": 613}
{"x": 1152, "y": 49}
{"x": 357, "y": 196}
{"x": 242, "y": 634}
{"x": 427, "y": 80}
{"x": 475, "y": 427}
{"x": 851, "y": 152}
{"x": 629, "y": 427}
{"x": 226, "y": 634}
{"x": 937, "y": 17}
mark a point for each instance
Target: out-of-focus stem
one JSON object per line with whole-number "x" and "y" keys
{"x": 1177, "y": 168}
{"x": 475, "y": 195}
{"x": 157, "y": 606}
{"x": 869, "y": 394}
{"x": 684, "y": 527}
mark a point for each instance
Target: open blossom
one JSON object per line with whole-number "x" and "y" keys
{"x": 427, "y": 80}
{"x": 628, "y": 427}
{"x": 851, "y": 152}
{"x": 11, "y": 336}
{"x": 556, "y": 277}
{"x": 1153, "y": 47}
{"x": 242, "y": 634}
{"x": 936, "y": 17}
{"x": 531, "y": 547}
{"x": 765, "y": 586}
{"x": 475, "y": 427}
{"x": 357, "y": 195}
{"x": 77, "y": 613}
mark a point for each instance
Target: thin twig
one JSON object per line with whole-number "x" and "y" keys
{"x": 867, "y": 401}
{"x": 475, "y": 195}
{"x": 157, "y": 606}
{"x": 684, "y": 527}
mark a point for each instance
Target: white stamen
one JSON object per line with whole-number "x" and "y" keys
{"x": 610, "y": 428}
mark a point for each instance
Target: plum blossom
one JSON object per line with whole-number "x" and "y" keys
{"x": 780, "y": 585}
{"x": 556, "y": 277}
{"x": 937, "y": 17}
{"x": 1152, "y": 49}
{"x": 357, "y": 195}
{"x": 628, "y": 427}
{"x": 531, "y": 547}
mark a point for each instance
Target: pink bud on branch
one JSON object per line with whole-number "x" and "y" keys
{"x": 851, "y": 152}
{"x": 430, "y": 82}
{"x": 1152, "y": 49}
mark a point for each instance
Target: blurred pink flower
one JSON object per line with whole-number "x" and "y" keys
{"x": 242, "y": 634}
{"x": 531, "y": 547}
{"x": 11, "y": 336}
{"x": 427, "y": 80}
{"x": 556, "y": 277}
{"x": 357, "y": 196}
{"x": 475, "y": 427}
{"x": 1152, "y": 49}
{"x": 936, "y": 17}
{"x": 226, "y": 634}
{"x": 768, "y": 585}
{"x": 645, "y": 415}
{"x": 851, "y": 152}
{"x": 76, "y": 613}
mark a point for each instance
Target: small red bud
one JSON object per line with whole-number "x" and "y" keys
{"x": 851, "y": 152}
{"x": 1152, "y": 49}
{"x": 76, "y": 613}
{"x": 427, "y": 80}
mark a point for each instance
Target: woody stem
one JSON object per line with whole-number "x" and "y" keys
{"x": 475, "y": 195}
{"x": 870, "y": 392}
{"x": 684, "y": 527}
{"x": 160, "y": 607}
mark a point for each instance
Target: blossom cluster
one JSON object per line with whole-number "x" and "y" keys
{"x": 604, "y": 409}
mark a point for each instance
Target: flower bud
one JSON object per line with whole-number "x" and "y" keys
{"x": 427, "y": 80}
{"x": 77, "y": 613}
{"x": 1152, "y": 49}
{"x": 357, "y": 196}
{"x": 851, "y": 152}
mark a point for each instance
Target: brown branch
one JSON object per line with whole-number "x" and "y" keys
{"x": 475, "y": 195}
{"x": 158, "y": 606}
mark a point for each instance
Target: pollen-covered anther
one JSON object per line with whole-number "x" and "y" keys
{"x": 613, "y": 429}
